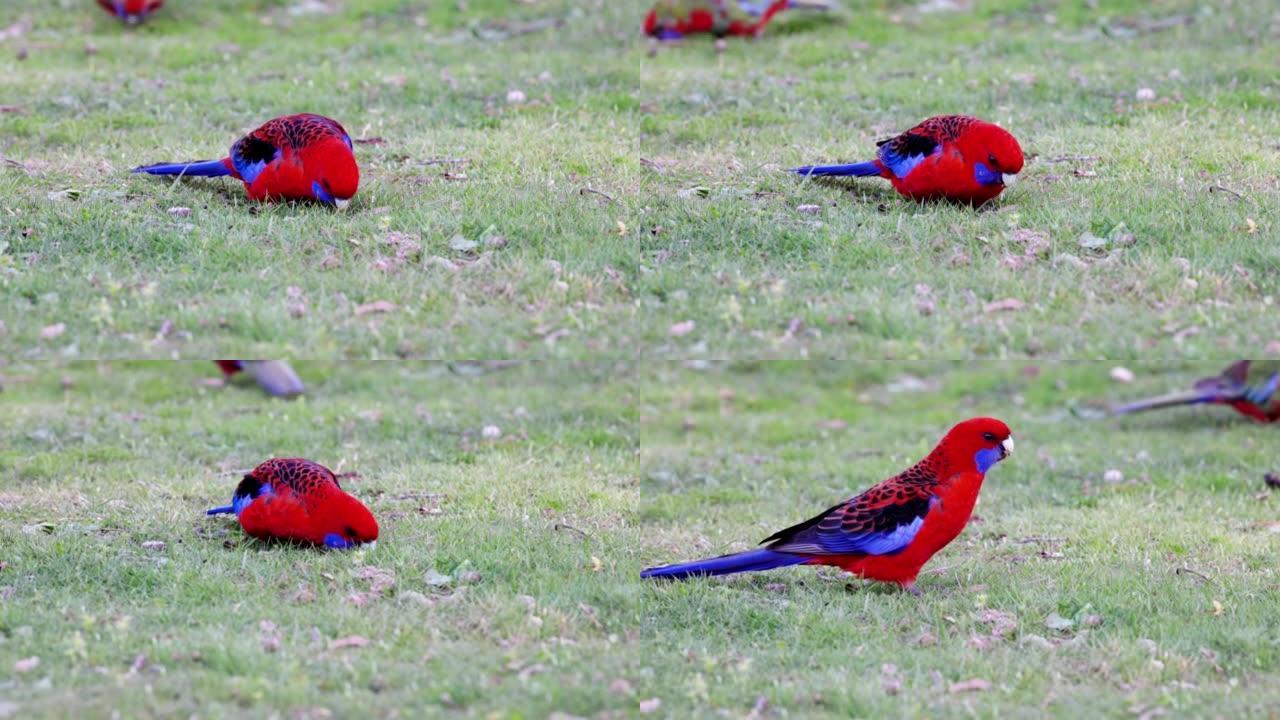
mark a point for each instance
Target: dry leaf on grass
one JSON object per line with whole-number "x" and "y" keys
{"x": 270, "y": 635}
{"x": 681, "y": 329}
{"x": 974, "y": 685}
{"x": 1005, "y": 305}
{"x": 351, "y": 641}
{"x": 378, "y": 306}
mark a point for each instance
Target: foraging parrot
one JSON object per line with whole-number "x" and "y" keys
{"x": 1248, "y": 386}
{"x": 131, "y": 12}
{"x": 950, "y": 157}
{"x": 295, "y": 157}
{"x": 673, "y": 19}
{"x": 300, "y": 501}
{"x": 275, "y": 377}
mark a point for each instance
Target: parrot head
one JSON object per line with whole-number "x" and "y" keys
{"x": 985, "y": 440}
{"x": 994, "y": 152}
{"x": 332, "y": 168}
{"x": 342, "y": 522}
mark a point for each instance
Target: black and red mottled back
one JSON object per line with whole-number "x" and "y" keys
{"x": 900, "y": 500}
{"x": 302, "y": 476}
{"x": 299, "y": 131}
{"x": 923, "y": 138}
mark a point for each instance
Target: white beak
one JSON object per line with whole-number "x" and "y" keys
{"x": 371, "y": 545}
{"x": 1008, "y": 445}
{"x": 342, "y": 205}
{"x": 1008, "y": 178}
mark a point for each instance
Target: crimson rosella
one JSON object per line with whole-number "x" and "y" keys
{"x": 295, "y": 157}
{"x": 951, "y": 157}
{"x": 673, "y": 19}
{"x": 275, "y": 377}
{"x": 131, "y": 12}
{"x": 1251, "y": 387}
{"x": 300, "y": 501}
{"x": 889, "y": 531}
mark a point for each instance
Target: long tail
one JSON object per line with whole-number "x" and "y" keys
{"x": 773, "y": 9}
{"x": 862, "y": 169}
{"x": 1192, "y": 397}
{"x": 220, "y": 510}
{"x": 202, "y": 168}
{"x": 749, "y": 561}
{"x": 275, "y": 377}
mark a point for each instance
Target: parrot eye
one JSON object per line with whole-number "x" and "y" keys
{"x": 989, "y": 437}
{"x": 992, "y": 159}
{"x": 349, "y": 531}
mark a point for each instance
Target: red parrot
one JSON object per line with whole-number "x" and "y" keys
{"x": 131, "y": 12}
{"x": 1248, "y": 386}
{"x": 295, "y": 157}
{"x": 275, "y": 377}
{"x": 889, "y": 531}
{"x": 951, "y": 157}
{"x": 298, "y": 500}
{"x": 673, "y": 19}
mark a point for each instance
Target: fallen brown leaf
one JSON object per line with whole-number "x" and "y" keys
{"x": 378, "y": 306}
{"x": 681, "y": 329}
{"x": 974, "y": 685}
{"x": 1006, "y": 305}
{"x": 351, "y": 641}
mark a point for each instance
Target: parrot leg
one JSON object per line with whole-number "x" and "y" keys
{"x": 911, "y": 588}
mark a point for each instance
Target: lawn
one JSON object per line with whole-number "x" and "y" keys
{"x": 535, "y": 185}
{"x": 1118, "y": 568}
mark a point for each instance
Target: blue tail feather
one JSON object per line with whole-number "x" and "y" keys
{"x": 863, "y": 169}
{"x": 751, "y": 561}
{"x": 202, "y": 168}
{"x": 220, "y": 510}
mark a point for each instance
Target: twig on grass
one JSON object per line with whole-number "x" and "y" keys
{"x": 1193, "y": 573}
{"x": 1229, "y": 191}
{"x": 592, "y": 191}
{"x": 570, "y": 528}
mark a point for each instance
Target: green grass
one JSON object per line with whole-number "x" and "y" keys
{"x": 647, "y": 463}
{"x": 756, "y": 276}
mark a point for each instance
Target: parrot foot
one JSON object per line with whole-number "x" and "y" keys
{"x": 911, "y": 588}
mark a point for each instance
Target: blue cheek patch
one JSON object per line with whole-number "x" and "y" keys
{"x": 240, "y": 502}
{"x": 336, "y": 541}
{"x": 986, "y": 458}
{"x": 985, "y": 175}
{"x": 319, "y": 192}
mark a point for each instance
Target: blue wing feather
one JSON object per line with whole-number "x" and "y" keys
{"x": 851, "y": 529}
{"x": 251, "y": 155}
{"x": 903, "y": 153}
